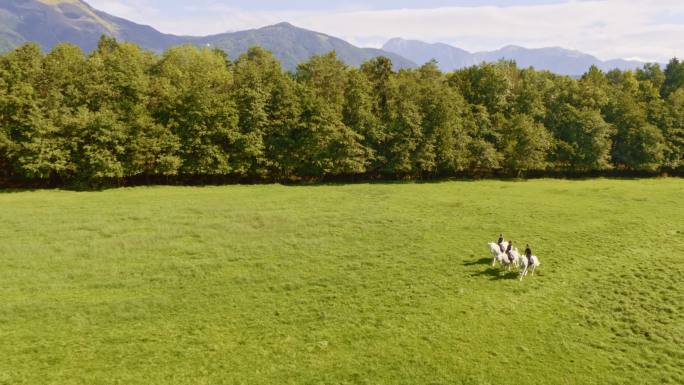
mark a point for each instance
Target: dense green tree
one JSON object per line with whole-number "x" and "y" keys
{"x": 281, "y": 139}
{"x": 118, "y": 88}
{"x": 20, "y": 113}
{"x": 404, "y": 132}
{"x": 268, "y": 114}
{"x": 530, "y": 93}
{"x": 384, "y": 91}
{"x": 444, "y": 147}
{"x": 592, "y": 91}
{"x": 674, "y": 77}
{"x": 357, "y": 112}
{"x": 489, "y": 85}
{"x": 652, "y": 73}
{"x": 259, "y": 79}
{"x": 638, "y": 144}
{"x": 483, "y": 153}
{"x": 527, "y": 144}
{"x": 673, "y": 130}
{"x": 123, "y": 112}
{"x": 379, "y": 73}
{"x": 6, "y": 143}
{"x": 329, "y": 146}
{"x": 193, "y": 99}
{"x": 582, "y": 137}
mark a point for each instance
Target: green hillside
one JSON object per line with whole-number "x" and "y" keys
{"x": 360, "y": 284}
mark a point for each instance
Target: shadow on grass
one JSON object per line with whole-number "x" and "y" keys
{"x": 15, "y": 190}
{"x": 483, "y": 261}
{"x": 497, "y": 274}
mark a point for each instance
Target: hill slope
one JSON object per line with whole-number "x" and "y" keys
{"x": 554, "y": 59}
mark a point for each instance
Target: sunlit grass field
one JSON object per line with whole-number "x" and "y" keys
{"x": 343, "y": 284}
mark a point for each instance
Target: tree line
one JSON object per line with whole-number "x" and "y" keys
{"x": 122, "y": 112}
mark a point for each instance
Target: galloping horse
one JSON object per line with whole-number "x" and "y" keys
{"x": 526, "y": 266}
{"x": 502, "y": 257}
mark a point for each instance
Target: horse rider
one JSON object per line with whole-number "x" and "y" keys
{"x": 528, "y": 253}
{"x": 509, "y": 251}
{"x": 500, "y": 242}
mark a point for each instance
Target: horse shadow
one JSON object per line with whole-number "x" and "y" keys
{"x": 483, "y": 261}
{"x": 496, "y": 274}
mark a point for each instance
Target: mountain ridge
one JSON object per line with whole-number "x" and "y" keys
{"x": 555, "y": 59}
{"x": 293, "y": 45}
{"x": 50, "y": 22}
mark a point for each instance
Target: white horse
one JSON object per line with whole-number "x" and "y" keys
{"x": 496, "y": 252}
{"x": 513, "y": 260}
{"x": 495, "y": 249}
{"x": 502, "y": 257}
{"x": 526, "y": 266}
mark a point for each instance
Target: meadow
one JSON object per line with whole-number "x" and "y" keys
{"x": 343, "y": 284}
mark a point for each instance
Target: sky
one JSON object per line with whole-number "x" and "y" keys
{"x": 646, "y": 30}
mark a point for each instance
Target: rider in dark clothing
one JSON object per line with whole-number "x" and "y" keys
{"x": 528, "y": 253}
{"x": 509, "y": 249}
{"x": 500, "y": 242}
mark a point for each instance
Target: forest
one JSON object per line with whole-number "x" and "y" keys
{"x": 122, "y": 114}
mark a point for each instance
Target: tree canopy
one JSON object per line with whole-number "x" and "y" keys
{"x": 122, "y": 112}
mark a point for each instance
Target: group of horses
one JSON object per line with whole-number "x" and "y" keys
{"x": 516, "y": 260}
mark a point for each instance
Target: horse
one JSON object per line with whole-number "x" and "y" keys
{"x": 495, "y": 249}
{"x": 503, "y": 258}
{"x": 515, "y": 255}
{"x": 526, "y": 266}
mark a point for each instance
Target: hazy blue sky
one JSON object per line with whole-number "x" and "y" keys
{"x": 644, "y": 29}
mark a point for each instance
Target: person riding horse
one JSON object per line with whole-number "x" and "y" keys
{"x": 528, "y": 253}
{"x": 509, "y": 251}
{"x": 500, "y": 242}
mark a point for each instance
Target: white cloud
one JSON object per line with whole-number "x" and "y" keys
{"x": 605, "y": 28}
{"x": 139, "y": 10}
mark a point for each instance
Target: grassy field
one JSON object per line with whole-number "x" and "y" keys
{"x": 357, "y": 284}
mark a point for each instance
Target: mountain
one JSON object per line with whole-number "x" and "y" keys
{"x": 50, "y": 22}
{"x": 554, "y": 59}
{"x": 448, "y": 57}
{"x": 293, "y": 45}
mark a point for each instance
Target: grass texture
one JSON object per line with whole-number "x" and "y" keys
{"x": 343, "y": 284}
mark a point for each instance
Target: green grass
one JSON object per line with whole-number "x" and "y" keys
{"x": 358, "y": 284}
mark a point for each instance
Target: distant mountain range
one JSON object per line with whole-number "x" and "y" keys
{"x": 50, "y": 22}
{"x": 294, "y": 45}
{"x": 554, "y": 59}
